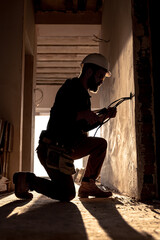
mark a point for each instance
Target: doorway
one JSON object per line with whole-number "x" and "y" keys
{"x": 40, "y": 124}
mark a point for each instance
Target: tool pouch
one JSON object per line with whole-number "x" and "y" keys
{"x": 58, "y": 159}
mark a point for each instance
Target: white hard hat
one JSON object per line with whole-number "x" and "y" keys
{"x": 97, "y": 59}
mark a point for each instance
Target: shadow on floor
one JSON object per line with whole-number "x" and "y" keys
{"x": 106, "y": 213}
{"x": 44, "y": 219}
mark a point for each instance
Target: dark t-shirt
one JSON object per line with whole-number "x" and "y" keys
{"x": 62, "y": 127}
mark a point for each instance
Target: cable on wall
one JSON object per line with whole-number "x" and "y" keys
{"x": 40, "y": 99}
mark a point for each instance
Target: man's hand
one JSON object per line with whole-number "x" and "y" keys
{"x": 93, "y": 119}
{"x": 109, "y": 113}
{"x": 89, "y": 116}
{"x": 112, "y": 111}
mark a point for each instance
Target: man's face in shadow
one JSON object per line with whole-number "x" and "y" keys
{"x": 96, "y": 79}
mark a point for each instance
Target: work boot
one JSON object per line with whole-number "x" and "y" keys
{"x": 91, "y": 189}
{"x": 22, "y": 185}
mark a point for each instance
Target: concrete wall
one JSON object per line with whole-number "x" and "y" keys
{"x": 120, "y": 167}
{"x": 13, "y": 23}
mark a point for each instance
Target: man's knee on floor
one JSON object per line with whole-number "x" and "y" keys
{"x": 67, "y": 196}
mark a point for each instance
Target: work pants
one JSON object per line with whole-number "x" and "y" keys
{"x": 61, "y": 186}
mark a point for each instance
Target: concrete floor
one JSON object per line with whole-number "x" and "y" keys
{"x": 115, "y": 218}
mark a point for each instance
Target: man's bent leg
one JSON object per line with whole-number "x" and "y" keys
{"x": 61, "y": 186}
{"x": 95, "y": 147}
{"x": 62, "y": 190}
{"x": 25, "y": 181}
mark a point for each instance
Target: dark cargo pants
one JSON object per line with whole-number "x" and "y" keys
{"x": 61, "y": 186}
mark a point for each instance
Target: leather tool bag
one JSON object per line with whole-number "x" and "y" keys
{"x": 57, "y": 158}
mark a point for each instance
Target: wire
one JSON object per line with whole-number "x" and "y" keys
{"x": 97, "y": 39}
{"x": 39, "y": 100}
{"x": 118, "y": 102}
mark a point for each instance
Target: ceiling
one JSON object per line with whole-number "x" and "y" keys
{"x": 66, "y": 32}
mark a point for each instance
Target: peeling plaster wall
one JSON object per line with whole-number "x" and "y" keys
{"x": 120, "y": 167}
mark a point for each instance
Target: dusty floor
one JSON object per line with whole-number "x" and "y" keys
{"x": 115, "y": 218}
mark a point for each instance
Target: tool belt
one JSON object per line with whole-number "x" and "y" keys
{"x": 58, "y": 158}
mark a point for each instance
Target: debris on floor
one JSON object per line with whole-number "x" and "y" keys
{"x": 115, "y": 218}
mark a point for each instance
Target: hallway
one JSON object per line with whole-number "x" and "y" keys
{"x": 115, "y": 218}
